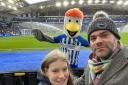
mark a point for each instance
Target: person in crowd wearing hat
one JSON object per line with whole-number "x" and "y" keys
{"x": 56, "y": 70}
{"x": 108, "y": 62}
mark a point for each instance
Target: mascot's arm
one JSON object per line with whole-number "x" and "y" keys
{"x": 59, "y": 38}
{"x": 41, "y": 36}
{"x": 83, "y": 41}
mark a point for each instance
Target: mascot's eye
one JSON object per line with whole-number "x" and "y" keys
{"x": 69, "y": 20}
{"x": 77, "y": 21}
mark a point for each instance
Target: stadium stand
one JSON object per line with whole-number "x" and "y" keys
{"x": 28, "y": 78}
{"x": 12, "y": 14}
{"x": 8, "y": 29}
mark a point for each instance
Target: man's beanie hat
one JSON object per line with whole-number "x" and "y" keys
{"x": 103, "y": 24}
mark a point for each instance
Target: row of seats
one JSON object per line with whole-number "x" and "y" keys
{"x": 30, "y": 78}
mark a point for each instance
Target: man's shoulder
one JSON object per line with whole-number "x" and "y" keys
{"x": 125, "y": 49}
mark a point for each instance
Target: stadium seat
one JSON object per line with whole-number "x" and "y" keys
{"x": 28, "y": 78}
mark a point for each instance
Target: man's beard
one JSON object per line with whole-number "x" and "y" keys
{"x": 108, "y": 55}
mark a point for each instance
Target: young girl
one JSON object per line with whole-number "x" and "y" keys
{"x": 55, "y": 67}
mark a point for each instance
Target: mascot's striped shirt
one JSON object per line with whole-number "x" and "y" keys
{"x": 71, "y": 46}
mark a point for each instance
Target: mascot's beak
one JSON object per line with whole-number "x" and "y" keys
{"x": 72, "y": 29}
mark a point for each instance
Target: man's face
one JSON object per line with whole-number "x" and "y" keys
{"x": 103, "y": 43}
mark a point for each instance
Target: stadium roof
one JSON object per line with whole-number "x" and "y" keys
{"x": 35, "y": 1}
{"x": 47, "y": 6}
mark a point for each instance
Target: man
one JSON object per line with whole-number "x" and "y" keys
{"x": 108, "y": 62}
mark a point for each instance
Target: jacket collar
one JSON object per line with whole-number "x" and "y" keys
{"x": 118, "y": 62}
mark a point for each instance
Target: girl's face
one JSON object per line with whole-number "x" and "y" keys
{"x": 58, "y": 73}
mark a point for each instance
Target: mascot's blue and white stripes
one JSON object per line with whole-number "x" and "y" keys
{"x": 71, "y": 41}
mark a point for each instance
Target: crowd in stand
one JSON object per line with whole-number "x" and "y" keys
{"x": 8, "y": 30}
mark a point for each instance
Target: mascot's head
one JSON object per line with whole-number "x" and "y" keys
{"x": 73, "y": 22}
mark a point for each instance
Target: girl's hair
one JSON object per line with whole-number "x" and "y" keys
{"x": 53, "y": 56}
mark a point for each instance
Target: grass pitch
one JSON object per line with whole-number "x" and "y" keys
{"x": 30, "y": 43}
{"x": 24, "y": 43}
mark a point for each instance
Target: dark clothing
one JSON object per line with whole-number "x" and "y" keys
{"x": 42, "y": 80}
{"x": 115, "y": 74}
